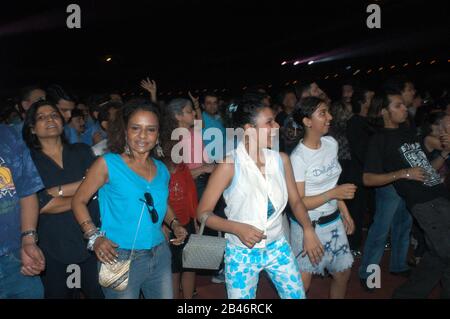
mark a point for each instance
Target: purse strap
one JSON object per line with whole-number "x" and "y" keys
{"x": 203, "y": 223}
{"x": 137, "y": 230}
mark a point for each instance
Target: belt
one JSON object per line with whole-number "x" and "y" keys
{"x": 326, "y": 219}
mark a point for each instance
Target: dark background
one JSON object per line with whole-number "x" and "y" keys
{"x": 217, "y": 44}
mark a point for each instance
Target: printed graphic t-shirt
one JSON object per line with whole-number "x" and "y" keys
{"x": 18, "y": 178}
{"x": 319, "y": 170}
{"x": 394, "y": 149}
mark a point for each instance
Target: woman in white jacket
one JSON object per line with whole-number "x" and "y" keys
{"x": 256, "y": 183}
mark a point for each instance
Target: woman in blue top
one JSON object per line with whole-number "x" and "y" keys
{"x": 133, "y": 192}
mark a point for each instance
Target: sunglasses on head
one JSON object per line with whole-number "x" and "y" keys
{"x": 150, "y": 206}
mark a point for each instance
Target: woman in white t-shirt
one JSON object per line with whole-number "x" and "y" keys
{"x": 316, "y": 171}
{"x": 256, "y": 183}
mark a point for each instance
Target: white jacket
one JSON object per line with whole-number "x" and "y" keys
{"x": 247, "y": 196}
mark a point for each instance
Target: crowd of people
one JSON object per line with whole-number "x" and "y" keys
{"x": 100, "y": 182}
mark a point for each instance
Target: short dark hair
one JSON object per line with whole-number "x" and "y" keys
{"x": 56, "y": 93}
{"x": 283, "y": 93}
{"x": 209, "y": 93}
{"x": 76, "y": 113}
{"x": 25, "y": 92}
{"x": 116, "y": 131}
{"x": 358, "y": 98}
{"x": 396, "y": 85}
{"x": 29, "y": 123}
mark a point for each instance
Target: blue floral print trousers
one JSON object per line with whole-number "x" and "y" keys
{"x": 243, "y": 265}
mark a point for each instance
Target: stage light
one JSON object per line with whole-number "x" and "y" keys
{"x": 244, "y": 88}
{"x": 405, "y": 65}
{"x": 418, "y": 62}
{"x": 310, "y": 62}
{"x": 369, "y": 71}
{"x": 326, "y": 78}
{"x": 348, "y": 67}
{"x": 295, "y": 82}
{"x": 356, "y": 72}
{"x": 433, "y": 62}
{"x": 336, "y": 75}
{"x": 296, "y": 62}
{"x": 108, "y": 59}
{"x": 283, "y": 63}
{"x": 380, "y": 68}
{"x": 392, "y": 66}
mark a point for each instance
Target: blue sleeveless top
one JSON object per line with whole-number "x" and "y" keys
{"x": 121, "y": 204}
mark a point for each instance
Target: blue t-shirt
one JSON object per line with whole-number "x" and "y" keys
{"x": 86, "y": 137}
{"x": 18, "y": 178}
{"x": 213, "y": 122}
{"x": 121, "y": 204}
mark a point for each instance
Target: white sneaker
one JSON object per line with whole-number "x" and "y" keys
{"x": 219, "y": 278}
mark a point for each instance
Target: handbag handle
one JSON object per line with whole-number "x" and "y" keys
{"x": 203, "y": 220}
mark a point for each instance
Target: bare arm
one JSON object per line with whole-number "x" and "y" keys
{"x": 96, "y": 177}
{"x": 29, "y": 212}
{"x": 349, "y": 225}
{"x": 33, "y": 261}
{"x": 345, "y": 191}
{"x": 68, "y": 189}
{"x": 298, "y": 207}
{"x": 57, "y": 205}
{"x": 217, "y": 183}
{"x": 374, "y": 180}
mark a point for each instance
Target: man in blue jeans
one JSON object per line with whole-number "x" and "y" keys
{"x": 21, "y": 260}
{"x": 392, "y": 215}
{"x": 395, "y": 156}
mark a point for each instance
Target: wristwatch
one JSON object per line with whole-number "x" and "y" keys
{"x": 30, "y": 233}
{"x": 60, "y": 191}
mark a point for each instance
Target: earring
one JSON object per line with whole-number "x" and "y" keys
{"x": 159, "y": 150}
{"x": 127, "y": 148}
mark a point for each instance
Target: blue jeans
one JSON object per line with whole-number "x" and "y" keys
{"x": 150, "y": 273}
{"x": 14, "y": 285}
{"x": 391, "y": 214}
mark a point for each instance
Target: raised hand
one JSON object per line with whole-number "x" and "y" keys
{"x": 195, "y": 100}
{"x": 150, "y": 87}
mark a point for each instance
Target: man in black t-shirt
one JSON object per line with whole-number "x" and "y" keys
{"x": 395, "y": 156}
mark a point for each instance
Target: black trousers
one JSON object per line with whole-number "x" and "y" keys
{"x": 434, "y": 218}
{"x": 56, "y": 274}
{"x": 358, "y": 206}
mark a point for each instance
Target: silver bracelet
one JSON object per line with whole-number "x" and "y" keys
{"x": 93, "y": 238}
